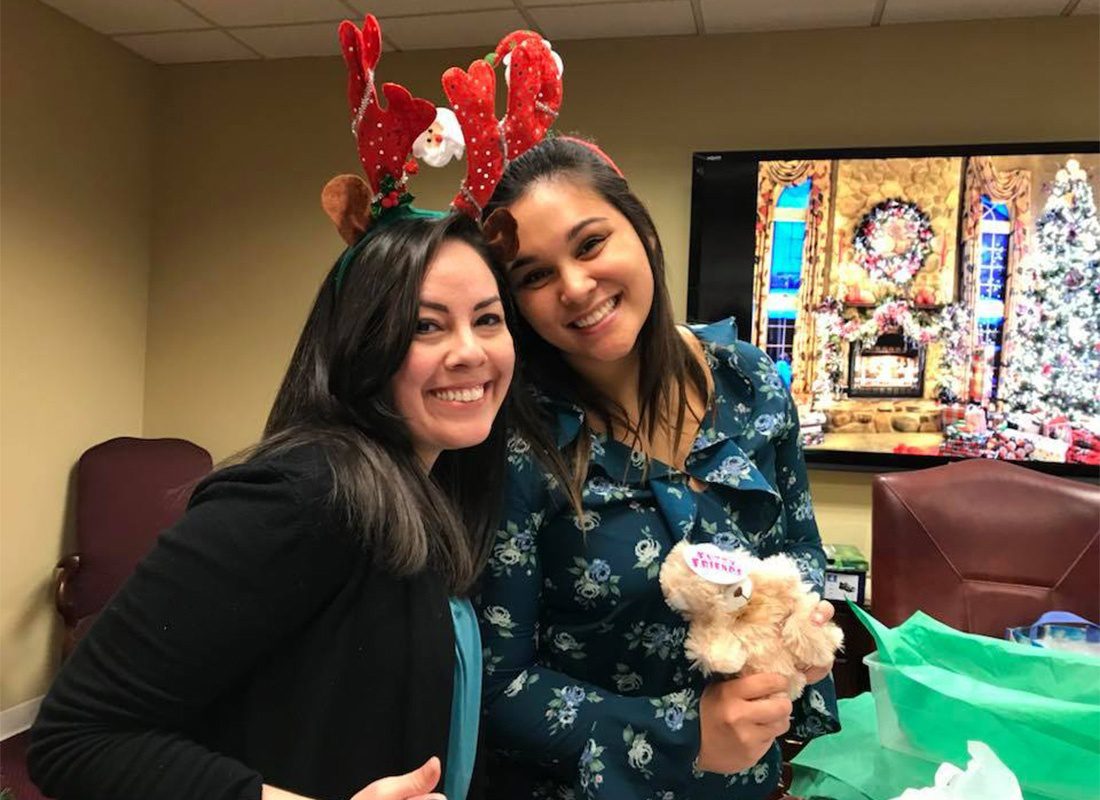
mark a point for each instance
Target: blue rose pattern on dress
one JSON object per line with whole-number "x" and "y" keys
{"x": 587, "y": 687}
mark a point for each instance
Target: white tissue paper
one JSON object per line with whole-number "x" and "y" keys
{"x": 985, "y": 778}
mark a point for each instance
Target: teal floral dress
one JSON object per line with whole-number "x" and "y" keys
{"x": 588, "y": 693}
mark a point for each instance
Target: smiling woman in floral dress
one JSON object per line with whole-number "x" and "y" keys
{"x": 665, "y": 433}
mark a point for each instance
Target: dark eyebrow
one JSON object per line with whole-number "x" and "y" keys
{"x": 488, "y": 301}
{"x": 526, "y": 260}
{"x": 581, "y": 226}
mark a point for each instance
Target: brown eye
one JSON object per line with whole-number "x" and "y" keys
{"x": 590, "y": 244}
{"x": 737, "y": 592}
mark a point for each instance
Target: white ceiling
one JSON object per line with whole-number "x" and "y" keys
{"x": 181, "y": 31}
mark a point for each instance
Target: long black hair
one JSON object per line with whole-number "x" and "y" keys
{"x": 668, "y": 367}
{"x": 336, "y": 394}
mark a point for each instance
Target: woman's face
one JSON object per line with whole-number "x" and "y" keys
{"x": 581, "y": 277}
{"x": 458, "y": 368}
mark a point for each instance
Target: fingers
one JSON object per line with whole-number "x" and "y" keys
{"x": 759, "y": 699}
{"x": 425, "y": 778}
{"x": 740, "y": 719}
{"x": 822, "y": 613}
{"x": 768, "y": 711}
{"x": 758, "y": 686}
{"x": 410, "y": 786}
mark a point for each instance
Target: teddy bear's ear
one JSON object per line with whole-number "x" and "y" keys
{"x": 346, "y": 199}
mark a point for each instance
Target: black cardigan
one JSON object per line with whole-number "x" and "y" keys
{"x": 255, "y": 644}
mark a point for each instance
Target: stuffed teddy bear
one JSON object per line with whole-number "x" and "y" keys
{"x": 745, "y": 614}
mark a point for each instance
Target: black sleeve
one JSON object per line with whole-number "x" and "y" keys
{"x": 252, "y": 560}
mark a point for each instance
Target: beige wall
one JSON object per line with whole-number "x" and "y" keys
{"x": 76, "y": 165}
{"x": 240, "y": 244}
{"x": 241, "y": 150}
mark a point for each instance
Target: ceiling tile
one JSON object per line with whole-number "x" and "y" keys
{"x": 939, "y": 10}
{"x": 409, "y": 8}
{"x": 468, "y": 29}
{"x": 610, "y": 20}
{"x": 126, "y": 16}
{"x": 269, "y": 12}
{"x": 723, "y": 16}
{"x": 186, "y": 47}
{"x": 292, "y": 41}
{"x": 1086, "y": 7}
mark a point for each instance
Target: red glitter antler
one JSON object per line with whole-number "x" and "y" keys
{"x": 472, "y": 96}
{"x": 534, "y": 92}
{"x": 534, "y": 97}
{"x": 384, "y": 135}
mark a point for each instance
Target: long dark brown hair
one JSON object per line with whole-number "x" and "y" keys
{"x": 336, "y": 395}
{"x": 668, "y": 368}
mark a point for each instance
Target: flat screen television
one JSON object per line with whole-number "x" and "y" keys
{"x": 923, "y": 304}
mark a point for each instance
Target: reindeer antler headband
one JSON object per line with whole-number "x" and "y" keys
{"x": 389, "y": 138}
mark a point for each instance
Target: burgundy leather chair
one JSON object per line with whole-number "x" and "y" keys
{"x": 127, "y": 491}
{"x": 983, "y": 545}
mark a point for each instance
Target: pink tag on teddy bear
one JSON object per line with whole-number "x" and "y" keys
{"x": 713, "y": 564}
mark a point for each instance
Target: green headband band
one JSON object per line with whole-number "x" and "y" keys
{"x": 389, "y": 216}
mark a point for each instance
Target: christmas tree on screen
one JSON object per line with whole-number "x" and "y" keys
{"x": 1056, "y": 366}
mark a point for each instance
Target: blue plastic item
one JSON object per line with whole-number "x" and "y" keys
{"x": 1059, "y": 630}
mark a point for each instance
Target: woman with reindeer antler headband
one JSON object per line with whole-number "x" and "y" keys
{"x": 669, "y": 433}
{"x": 305, "y": 630}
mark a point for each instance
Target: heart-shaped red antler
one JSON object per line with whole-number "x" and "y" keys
{"x": 472, "y": 96}
{"x": 385, "y": 135}
{"x": 534, "y": 97}
{"x": 361, "y": 49}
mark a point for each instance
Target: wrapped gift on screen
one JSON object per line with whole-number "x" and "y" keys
{"x": 955, "y": 412}
{"x": 961, "y": 441}
{"x": 1058, "y": 428}
{"x": 845, "y": 572}
{"x": 1081, "y": 455}
{"x": 1085, "y": 439}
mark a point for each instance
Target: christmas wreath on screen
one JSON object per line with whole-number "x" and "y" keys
{"x": 892, "y": 240}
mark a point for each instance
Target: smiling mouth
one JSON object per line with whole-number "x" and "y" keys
{"x": 467, "y": 395}
{"x": 598, "y": 315}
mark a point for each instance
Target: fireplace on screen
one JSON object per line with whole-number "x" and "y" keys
{"x": 891, "y": 367}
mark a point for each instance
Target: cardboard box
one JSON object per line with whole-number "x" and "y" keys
{"x": 845, "y": 557}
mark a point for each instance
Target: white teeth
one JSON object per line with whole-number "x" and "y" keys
{"x": 591, "y": 319}
{"x": 461, "y": 395}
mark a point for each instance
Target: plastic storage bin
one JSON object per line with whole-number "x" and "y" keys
{"x": 890, "y": 732}
{"x": 921, "y": 712}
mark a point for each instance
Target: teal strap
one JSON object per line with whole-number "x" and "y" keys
{"x": 465, "y": 701}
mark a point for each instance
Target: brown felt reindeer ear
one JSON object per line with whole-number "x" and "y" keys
{"x": 347, "y": 200}
{"x": 500, "y": 235}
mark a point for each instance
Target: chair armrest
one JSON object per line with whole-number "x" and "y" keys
{"x": 67, "y": 568}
